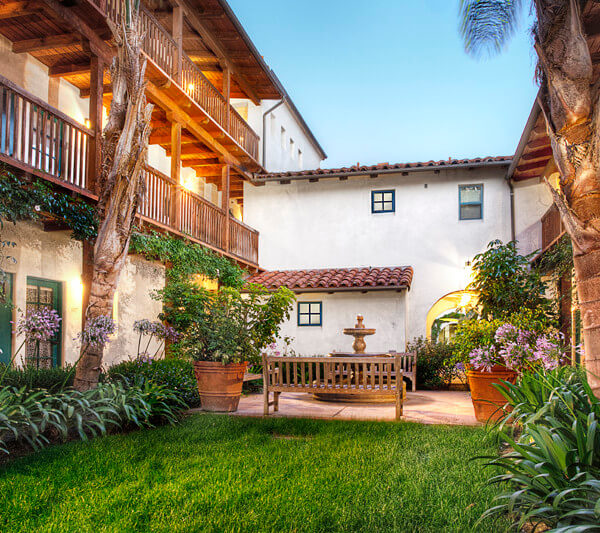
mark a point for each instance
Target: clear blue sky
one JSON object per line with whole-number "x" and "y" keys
{"x": 388, "y": 80}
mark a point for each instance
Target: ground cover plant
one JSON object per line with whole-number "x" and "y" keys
{"x": 219, "y": 473}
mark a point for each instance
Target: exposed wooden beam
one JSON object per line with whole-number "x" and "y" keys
{"x": 536, "y": 154}
{"x": 164, "y": 138}
{"x": 85, "y": 92}
{"x": 19, "y": 9}
{"x": 539, "y": 143}
{"x": 199, "y": 163}
{"x": 46, "y": 43}
{"x": 68, "y": 69}
{"x": 532, "y": 166}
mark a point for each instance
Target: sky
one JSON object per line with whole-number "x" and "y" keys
{"x": 389, "y": 80}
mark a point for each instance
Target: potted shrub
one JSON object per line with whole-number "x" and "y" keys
{"x": 513, "y": 351}
{"x": 229, "y": 331}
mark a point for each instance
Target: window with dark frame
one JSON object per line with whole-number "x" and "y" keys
{"x": 470, "y": 202}
{"x": 310, "y": 313}
{"x": 383, "y": 201}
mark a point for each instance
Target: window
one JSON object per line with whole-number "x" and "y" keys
{"x": 292, "y": 150}
{"x": 43, "y": 293}
{"x": 300, "y": 159}
{"x": 470, "y": 199}
{"x": 282, "y": 138}
{"x": 310, "y": 313}
{"x": 383, "y": 201}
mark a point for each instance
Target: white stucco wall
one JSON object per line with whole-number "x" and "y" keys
{"x": 383, "y": 310}
{"x": 279, "y": 154}
{"x": 532, "y": 199}
{"x": 54, "y": 256}
{"x": 329, "y": 224}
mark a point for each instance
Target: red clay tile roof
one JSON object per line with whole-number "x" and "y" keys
{"x": 336, "y": 278}
{"x": 358, "y": 169}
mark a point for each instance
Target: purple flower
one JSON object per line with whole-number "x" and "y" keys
{"x": 156, "y": 329}
{"x": 97, "y": 331}
{"x": 40, "y": 325}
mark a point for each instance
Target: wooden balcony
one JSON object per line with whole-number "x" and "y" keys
{"x": 552, "y": 227}
{"x": 42, "y": 141}
{"x": 171, "y": 69}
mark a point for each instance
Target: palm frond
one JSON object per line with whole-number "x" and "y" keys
{"x": 487, "y": 25}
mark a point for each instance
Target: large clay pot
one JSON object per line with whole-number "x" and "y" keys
{"x": 219, "y": 385}
{"x": 486, "y": 398}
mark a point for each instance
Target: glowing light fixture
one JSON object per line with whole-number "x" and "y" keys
{"x": 190, "y": 87}
{"x": 88, "y": 123}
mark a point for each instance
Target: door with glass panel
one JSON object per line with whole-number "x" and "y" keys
{"x": 43, "y": 293}
{"x": 6, "y": 291}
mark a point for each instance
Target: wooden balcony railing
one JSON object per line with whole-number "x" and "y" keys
{"x": 552, "y": 227}
{"x": 162, "y": 49}
{"x": 196, "y": 217}
{"x": 41, "y": 140}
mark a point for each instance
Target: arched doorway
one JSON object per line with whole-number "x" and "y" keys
{"x": 444, "y": 314}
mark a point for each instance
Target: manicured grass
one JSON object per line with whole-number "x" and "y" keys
{"x": 222, "y": 473}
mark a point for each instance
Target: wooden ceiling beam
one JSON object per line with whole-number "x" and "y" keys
{"x": 85, "y": 92}
{"x": 537, "y": 154}
{"x": 68, "y": 69}
{"x": 199, "y": 162}
{"x": 539, "y": 143}
{"x": 46, "y": 43}
{"x": 532, "y": 166}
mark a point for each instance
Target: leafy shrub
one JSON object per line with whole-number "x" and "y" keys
{"x": 232, "y": 327}
{"x": 37, "y": 416}
{"x": 29, "y": 378}
{"x": 435, "y": 363}
{"x": 552, "y": 474}
{"x": 176, "y": 375}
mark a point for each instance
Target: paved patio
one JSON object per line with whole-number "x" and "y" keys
{"x": 427, "y": 407}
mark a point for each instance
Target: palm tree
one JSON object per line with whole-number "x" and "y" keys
{"x": 121, "y": 183}
{"x": 569, "y": 98}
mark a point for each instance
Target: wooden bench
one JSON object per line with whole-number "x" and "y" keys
{"x": 409, "y": 366}
{"x": 330, "y": 375}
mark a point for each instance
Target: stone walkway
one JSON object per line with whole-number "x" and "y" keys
{"x": 427, "y": 407}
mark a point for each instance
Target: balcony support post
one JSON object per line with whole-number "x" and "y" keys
{"x": 94, "y": 166}
{"x": 178, "y": 38}
{"x": 225, "y": 184}
{"x": 176, "y": 174}
{"x": 227, "y": 95}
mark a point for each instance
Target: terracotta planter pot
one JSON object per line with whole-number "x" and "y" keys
{"x": 220, "y": 386}
{"x": 486, "y": 398}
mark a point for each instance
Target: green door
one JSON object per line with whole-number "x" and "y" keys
{"x": 44, "y": 293}
{"x": 6, "y": 293}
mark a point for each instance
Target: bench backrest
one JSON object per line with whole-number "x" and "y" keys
{"x": 353, "y": 374}
{"x": 407, "y": 359}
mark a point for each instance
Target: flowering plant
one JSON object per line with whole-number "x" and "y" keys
{"x": 517, "y": 349}
{"x": 41, "y": 325}
{"x": 153, "y": 330}
{"x": 97, "y": 331}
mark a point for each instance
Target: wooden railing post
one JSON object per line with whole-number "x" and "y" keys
{"x": 175, "y": 174}
{"x": 178, "y": 38}
{"x": 227, "y": 95}
{"x": 94, "y": 162}
{"x": 225, "y": 182}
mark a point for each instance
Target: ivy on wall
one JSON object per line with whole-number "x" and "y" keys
{"x": 22, "y": 199}
{"x": 186, "y": 258}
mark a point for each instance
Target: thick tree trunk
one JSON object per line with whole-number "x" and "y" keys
{"x": 121, "y": 184}
{"x": 571, "y": 106}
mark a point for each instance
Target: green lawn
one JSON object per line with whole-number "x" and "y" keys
{"x": 221, "y": 473}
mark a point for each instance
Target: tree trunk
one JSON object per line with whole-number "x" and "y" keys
{"x": 571, "y": 106}
{"x": 121, "y": 182}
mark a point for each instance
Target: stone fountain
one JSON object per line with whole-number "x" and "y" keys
{"x": 359, "y": 332}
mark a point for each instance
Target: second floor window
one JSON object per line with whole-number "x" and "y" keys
{"x": 470, "y": 200}
{"x": 383, "y": 201}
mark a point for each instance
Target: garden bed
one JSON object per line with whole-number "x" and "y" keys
{"x": 220, "y": 473}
